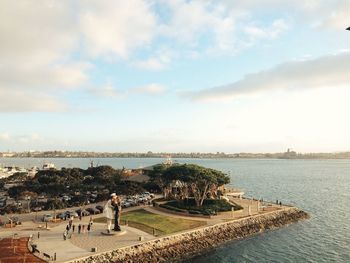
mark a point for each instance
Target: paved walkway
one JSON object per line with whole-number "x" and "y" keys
{"x": 79, "y": 245}
{"x": 103, "y": 243}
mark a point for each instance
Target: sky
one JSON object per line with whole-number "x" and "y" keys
{"x": 175, "y": 75}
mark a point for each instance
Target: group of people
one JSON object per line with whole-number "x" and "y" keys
{"x": 112, "y": 210}
{"x": 278, "y": 203}
{"x": 70, "y": 228}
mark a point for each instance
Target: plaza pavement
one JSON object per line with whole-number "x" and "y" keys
{"x": 79, "y": 245}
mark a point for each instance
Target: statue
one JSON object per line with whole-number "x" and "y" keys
{"x": 118, "y": 210}
{"x": 109, "y": 212}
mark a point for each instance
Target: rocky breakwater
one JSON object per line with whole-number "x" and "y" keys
{"x": 179, "y": 246}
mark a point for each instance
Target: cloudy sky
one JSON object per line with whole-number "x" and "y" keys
{"x": 175, "y": 75}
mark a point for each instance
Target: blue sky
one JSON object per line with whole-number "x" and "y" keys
{"x": 174, "y": 75}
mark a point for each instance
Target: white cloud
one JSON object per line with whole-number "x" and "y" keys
{"x": 107, "y": 91}
{"x": 111, "y": 92}
{"x": 339, "y": 16}
{"x": 28, "y": 101}
{"x": 37, "y": 38}
{"x": 191, "y": 21}
{"x": 150, "y": 89}
{"x": 276, "y": 28}
{"x": 326, "y": 71}
{"x": 153, "y": 64}
{"x": 4, "y": 136}
{"x": 113, "y": 28}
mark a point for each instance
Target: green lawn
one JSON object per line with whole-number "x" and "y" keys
{"x": 163, "y": 225}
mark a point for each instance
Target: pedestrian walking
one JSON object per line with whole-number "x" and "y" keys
{"x": 83, "y": 228}
{"x": 65, "y": 235}
{"x": 67, "y": 228}
{"x": 38, "y": 235}
{"x": 88, "y": 228}
{"x": 79, "y": 228}
{"x": 73, "y": 228}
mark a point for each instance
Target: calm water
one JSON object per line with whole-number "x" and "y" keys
{"x": 320, "y": 187}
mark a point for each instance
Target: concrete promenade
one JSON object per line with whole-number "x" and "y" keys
{"x": 79, "y": 245}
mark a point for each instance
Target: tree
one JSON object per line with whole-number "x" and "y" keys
{"x": 157, "y": 177}
{"x": 53, "y": 204}
{"x": 194, "y": 180}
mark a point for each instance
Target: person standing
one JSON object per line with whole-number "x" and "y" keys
{"x": 79, "y": 228}
{"x": 88, "y": 228}
{"x": 73, "y": 228}
{"x": 118, "y": 211}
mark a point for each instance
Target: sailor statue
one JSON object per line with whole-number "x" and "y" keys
{"x": 109, "y": 211}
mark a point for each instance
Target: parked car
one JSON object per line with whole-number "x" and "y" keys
{"x": 125, "y": 204}
{"x": 47, "y": 218}
{"x": 132, "y": 202}
{"x": 62, "y": 216}
{"x": 82, "y": 212}
{"x": 72, "y": 214}
{"x": 99, "y": 207}
{"x": 93, "y": 211}
{"x": 15, "y": 220}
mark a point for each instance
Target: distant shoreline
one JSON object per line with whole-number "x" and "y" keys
{"x": 103, "y": 156}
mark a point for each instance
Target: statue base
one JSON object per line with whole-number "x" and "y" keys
{"x": 113, "y": 233}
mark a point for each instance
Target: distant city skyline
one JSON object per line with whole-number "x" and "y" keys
{"x": 174, "y": 75}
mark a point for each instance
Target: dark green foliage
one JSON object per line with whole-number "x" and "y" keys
{"x": 173, "y": 208}
{"x": 152, "y": 187}
{"x": 54, "y": 204}
{"x": 16, "y": 191}
{"x": 69, "y": 181}
{"x": 194, "y": 180}
{"x": 129, "y": 188}
{"x": 209, "y": 207}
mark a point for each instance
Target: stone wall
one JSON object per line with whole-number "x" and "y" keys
{"x": 179, "y": 246}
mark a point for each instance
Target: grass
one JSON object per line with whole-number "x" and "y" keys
{"x": 163, "y": 225}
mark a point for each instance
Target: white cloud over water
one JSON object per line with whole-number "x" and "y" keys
{"x": 326, "y": 71}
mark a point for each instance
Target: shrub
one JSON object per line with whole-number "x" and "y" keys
{"x": 209, "y": 207}
{"x": 172, "y": 208}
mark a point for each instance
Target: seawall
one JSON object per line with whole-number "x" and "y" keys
{"x": 182, "y": 245}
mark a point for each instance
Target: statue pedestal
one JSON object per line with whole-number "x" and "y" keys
{"x": 113, "y": 233}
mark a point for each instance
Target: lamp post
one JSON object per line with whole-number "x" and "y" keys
{"x": 28, "y": 201}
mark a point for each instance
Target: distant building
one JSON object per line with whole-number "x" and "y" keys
{"x": 48, "y": 166}
{"x": 8, "y": 154}
{"x": 289, "y": 154}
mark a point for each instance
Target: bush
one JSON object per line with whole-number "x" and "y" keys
{"x": 209, "y": 207}
{"x": 173, "y": 208}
